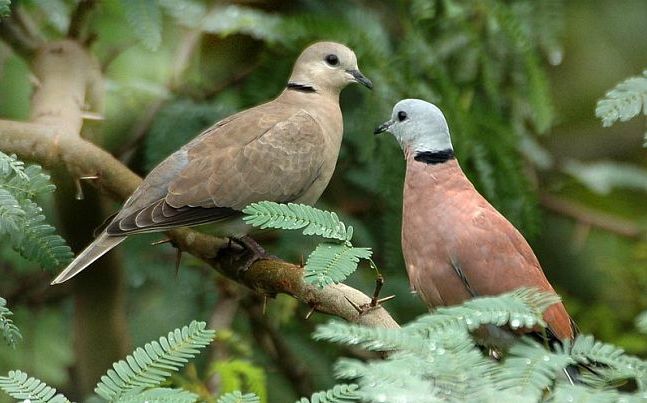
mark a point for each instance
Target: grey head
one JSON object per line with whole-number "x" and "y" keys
{"x": 419, "y": 127}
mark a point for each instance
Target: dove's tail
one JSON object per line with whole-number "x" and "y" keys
{"x": 101, "y": 245}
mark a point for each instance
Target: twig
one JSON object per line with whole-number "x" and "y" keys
{"x": 274, "y": 344}
{"x": 592, "y": 217}
{"x": 51, "y": 146}
{"x": 79, "y": 19}
{"x": 21, "y": 43}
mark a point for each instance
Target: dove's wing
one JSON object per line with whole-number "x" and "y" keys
{"x": 229, "y": 167}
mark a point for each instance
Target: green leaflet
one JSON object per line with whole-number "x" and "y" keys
{"x": 21, "y": 219}
{"x": 21, "y": 387}
{"x": 148, "y": 366}
{"x": 342, "y": 393}
{"x": 236, "y": 375}
{"x": 237, "y": 397}
{"x": 4, "y": 8}
{"x": 9, "y": 331}
{"x": 161, "y": 395}
{"x": 530, "y": 368}
{"x": 331, "y": 263}
{"x": 624, "y": 101}
{"x": 292, "y": 216}
{"x": 435, "y": 358}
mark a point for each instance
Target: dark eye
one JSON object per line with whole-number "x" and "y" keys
{"x": 332, "y": 60}
{"x": 402, "y": 115}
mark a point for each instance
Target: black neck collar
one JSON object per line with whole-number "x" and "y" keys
{"x": 434, "y": 157}
{"x": 300, "y": 87}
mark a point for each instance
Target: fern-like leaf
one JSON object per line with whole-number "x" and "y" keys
{"x": 521, "y": 308}
{"x": 342, "y": 393}
{"x": 5, "y": 8}
{"x": 9, "y": 331}
{"x": 11, "y": 214}
{"x": 564, "y": 392}
{"x": 238, "y": 397}
{"x": 241, "y": 375}
{"x": 10, "y": 164}
{"x": 149, "y": 366}
{"x": 22, "y": 387}
{"x": 161, "y": 395}
{"x": 586, "y": 350}
{"x": 370, "y": 338}
{"x": 21, "y": 219}
{"x": 331, "y": 263}
{"x": 530, "y": 369}
{"x": 624, "y": 101}
{"x": 292, "y": 216}
{"x": 145, "y": 19}
{"x": 38, "y": 241}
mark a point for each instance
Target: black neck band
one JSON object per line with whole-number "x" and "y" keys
{"x": 434, "y": 157}
{"x": 300, "y": 87}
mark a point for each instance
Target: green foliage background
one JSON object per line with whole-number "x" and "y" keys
{"x": 518, "y": 82}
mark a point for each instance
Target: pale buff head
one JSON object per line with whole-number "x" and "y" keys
{"x": 327, "y": 67}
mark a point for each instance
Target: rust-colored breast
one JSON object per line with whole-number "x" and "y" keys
{"x": 456, "y": 245}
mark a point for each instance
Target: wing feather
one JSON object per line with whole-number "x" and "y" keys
{"x": 227, "y": 167}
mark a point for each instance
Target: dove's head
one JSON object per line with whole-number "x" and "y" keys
{"x": 327, "y": 67}
{"x": 419, "y": 127}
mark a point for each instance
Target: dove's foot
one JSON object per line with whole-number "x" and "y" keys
{"x": 255, "y": 253}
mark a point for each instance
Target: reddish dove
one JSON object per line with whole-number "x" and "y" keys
{"x": 455, "y": 244}
{"x": 284, "y": 150}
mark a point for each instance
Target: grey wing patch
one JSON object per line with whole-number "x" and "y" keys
{"x": 160, "y": 216}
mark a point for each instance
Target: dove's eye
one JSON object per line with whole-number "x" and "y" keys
{"x": 332, "y": 60}
{"x": 402, "y": 115}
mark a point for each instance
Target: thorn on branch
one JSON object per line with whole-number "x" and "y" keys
{"x": 354, "y": 305}
{"x": 161, "y": 241}
{"x": 79, "y": 188}
{"x": 178, "y": 259}
{"x": 87, "y": 115}
{"x": 311, "y": 311}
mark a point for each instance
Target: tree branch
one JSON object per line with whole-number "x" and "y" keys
{"x": 79, "y": 19}
{"x": 592, "y": 217}
{"x": 50, "y": 147}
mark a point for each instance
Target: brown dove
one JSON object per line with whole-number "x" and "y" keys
{"x": 284, "y": 150}
{"x": 455, "y": 244}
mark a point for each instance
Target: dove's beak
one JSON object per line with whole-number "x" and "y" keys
{"x": 383, "y": 127}
{"x": 360, "y": 78}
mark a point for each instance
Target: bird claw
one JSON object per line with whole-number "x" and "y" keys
{"x": 256, "y": 250}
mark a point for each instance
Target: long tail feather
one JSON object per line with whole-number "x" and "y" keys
{"x": 101, "y": 245}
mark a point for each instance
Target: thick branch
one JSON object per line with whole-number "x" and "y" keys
{"x": 51, "y": 147}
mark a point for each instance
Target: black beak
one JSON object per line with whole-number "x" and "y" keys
{"x": 360, "y": 78}
{"x": 383, "y": 127}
